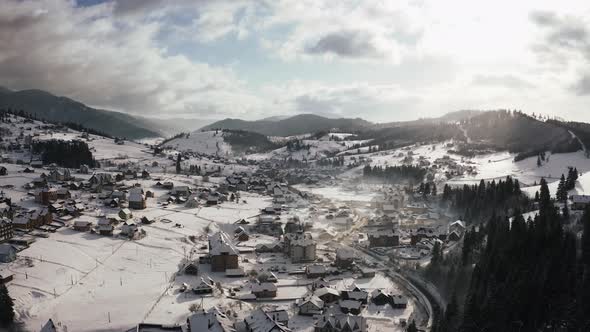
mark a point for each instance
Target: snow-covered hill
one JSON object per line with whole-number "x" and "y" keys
{"x": 204, "y": 142}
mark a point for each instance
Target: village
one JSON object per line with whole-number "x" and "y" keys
{"x": 156, "y": 239}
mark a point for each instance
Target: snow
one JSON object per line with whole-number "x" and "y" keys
{"x": 205, "y": 142}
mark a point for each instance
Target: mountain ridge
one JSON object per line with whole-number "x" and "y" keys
{"x": 47, "y": 106}
{"x": 295, "y": 125}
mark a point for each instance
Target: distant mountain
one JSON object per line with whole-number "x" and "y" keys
{"x": 47, "y": 106}
{"x": 276, "y": 118}
{"x": 173, "y": 126}
{"x": 295, "y": 125}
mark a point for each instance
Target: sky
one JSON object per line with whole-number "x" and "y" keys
{"x": 379, "y": 60}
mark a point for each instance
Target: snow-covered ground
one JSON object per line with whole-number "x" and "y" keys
{"x": 205, "y": 142}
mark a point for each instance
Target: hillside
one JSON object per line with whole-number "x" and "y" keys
{"x": 47, "y": 106}
{"x": 296, "y": 125}
{"x": 518, "y": 132}
{"x": 220, "y": 143}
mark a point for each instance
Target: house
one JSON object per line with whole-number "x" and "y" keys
{"x": 167, "y": 185}
{"x": 383, "y": 238}
{"x": 137, "y": 199}
{"x": 580, "y": 202}
{"x": 350, "y": 306}
{"x": 458, "y": 226}
{"x": 125, "y": 214}
{"x": 5, "y": 210}
{"x": 235, "y": 273}
{"x": 145, "y": 174}
{"x": 58, "y": 175}
{"x": 319, "y": 283}
{"x": 31, "y": 219}
{"x": 46, "y": 196}
{"x": 212, "y": 200}
{"x": 340, "y": 323}
{"x": 105, "y": 227}
{"x": 398, "y": 301}
{"x": 6, "y": 231}
{"x": 82, "y": 225}
{"x": 213, "y": 320}
{"x": 327, "y": 294}
{"x": 222, "y": 252}
{"x": 311, "y": 305}
{"x": 454, "y": 236}
{"x": 147, "y": 221}
{"x": 379, "y": 297}
{"x": 281, "y": 316}
{"x": 315, "y": 271}
{"x": 344, "y": 258}
{"x": 183, "y": 191}
{"x": 268, "y": 247}
{"x": 63, "y": 193}
{"x": 203, "y": 288}
{"x": 192, "y": 201}
{"x": 129, "y": 228}
{"x": 101, "y": 179}
{"x": 190, "y": 268}
{"x": 421, "y": 233}
{"x": 130, "y": 174}
{"x": 261, "y": 321}
{"x": 113, "y": 218}
{"x": 40, "y": 182}
{"x": 242, "y": 235}
{"x": 355, "y": 294}
{"x": 264, "y": 290}
{"x": 300, "y": 247}
{"x": 7, "y": 253}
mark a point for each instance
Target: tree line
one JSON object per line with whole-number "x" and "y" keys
{"x": 529, "y": 276}
{"x": 70, "y": 154}
{"x": 395, "y": 173}
{"x": 480, "y": 200}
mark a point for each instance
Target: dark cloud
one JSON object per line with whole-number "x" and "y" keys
{"x": 88, "y": 54}
{"x": 562, "y": 33}
{"x": 566, "y": 40}
{"x": 132, "y": 7}
{"x": 347, "y": 43}
{"x": 582, "y": 86}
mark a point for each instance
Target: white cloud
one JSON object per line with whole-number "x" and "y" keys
{"x": 90, "y": 55}
{"x": 116, "y": 55}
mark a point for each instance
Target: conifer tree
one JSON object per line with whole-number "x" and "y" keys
{"x": 6, "y": 307}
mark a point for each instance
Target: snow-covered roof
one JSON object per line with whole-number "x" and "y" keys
{"x": 344, "y": 322}
{"x": 220, "y": 243}
{"x": 261, "y": 321}
{"x": 212, "y": 320}
{"x": 264, "y": 287}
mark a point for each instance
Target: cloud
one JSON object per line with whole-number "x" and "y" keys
{"x": 565, "y": 42}
{"x": 349, "y": 30}
{"x": 506, "y": 81}
{"x": 351, "y": 43}
{"x": 582, "y": 86}
{"x": 88, "y": 54}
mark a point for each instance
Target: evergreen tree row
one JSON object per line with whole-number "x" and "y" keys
{"x": 395, "y": 173}
{"x": 69, "y": 154}
{"x": 529, "y": 276}
{"x": 481, "y": 200}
